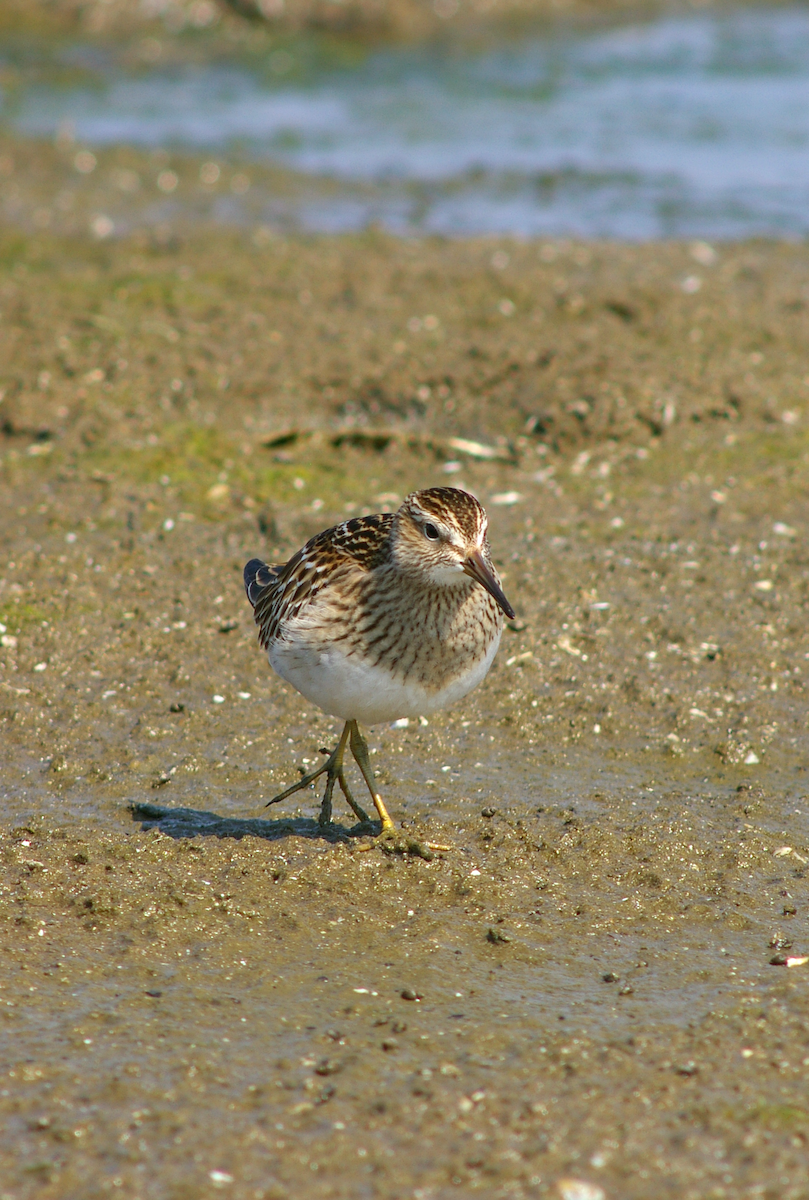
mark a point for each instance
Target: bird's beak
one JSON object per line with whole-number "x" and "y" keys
{"x": 476, "y": 568}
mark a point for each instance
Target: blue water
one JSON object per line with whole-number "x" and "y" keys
{"x": 694, "y": 126}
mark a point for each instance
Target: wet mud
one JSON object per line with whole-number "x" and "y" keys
{"x": 602, "y": 980}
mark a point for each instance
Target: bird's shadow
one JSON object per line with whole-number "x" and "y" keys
{"x": 193, "y": 822}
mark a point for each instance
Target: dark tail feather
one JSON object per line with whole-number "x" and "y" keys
{"x": 258, "y": 576}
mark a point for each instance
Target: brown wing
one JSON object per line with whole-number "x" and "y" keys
{"x": 278, "y": 593}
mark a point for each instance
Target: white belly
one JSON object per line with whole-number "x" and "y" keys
{"x": 348, "y": 688}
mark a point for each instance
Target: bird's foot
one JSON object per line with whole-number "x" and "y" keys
{"x": 332, "y": 768}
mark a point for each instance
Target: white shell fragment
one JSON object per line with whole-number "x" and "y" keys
{"x": 577, "y": 1189}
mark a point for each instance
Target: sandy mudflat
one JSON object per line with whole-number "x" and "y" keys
{"x": 200, "y": 1001}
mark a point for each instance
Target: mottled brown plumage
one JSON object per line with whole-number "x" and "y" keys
{"x": 277, "y": 593}
{"x": 383, "y": 617}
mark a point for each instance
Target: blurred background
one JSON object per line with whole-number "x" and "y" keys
{"x": 452, "y": 117}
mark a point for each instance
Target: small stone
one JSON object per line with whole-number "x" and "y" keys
{"x": 409, "y": 994}
{"x": 626, "y": 990}
{"x": 610, "y": 977}
{"x": 390, "y": 1044}
{"x": 689, "y": 1068}
{"x": 789, "y": 910}
{"x": 778, "y": 960}
{"x": 497, "y": 938}
{"x": 488, "y": 812}
{"x": 154, "y": 994}
{"x": 327, "y": 1066}
{"x": 176, "y": 707}
{"x": 578, "y": 1189}
{"x": 417, "y": 849}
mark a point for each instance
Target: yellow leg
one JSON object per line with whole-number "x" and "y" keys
{"x": 359, "y": 748}
{"x": 357, "y": 809}
{"x": 333, "y": 769}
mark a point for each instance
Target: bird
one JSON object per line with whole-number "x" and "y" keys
{"x": 382, "y": 617}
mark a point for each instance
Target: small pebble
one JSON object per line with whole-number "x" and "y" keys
{"x": 409, "y": 994}
{"x": 610, "y": 977}
{"x": 577, "y": 1189}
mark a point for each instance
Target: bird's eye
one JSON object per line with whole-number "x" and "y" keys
{"x": 431, "y": 532}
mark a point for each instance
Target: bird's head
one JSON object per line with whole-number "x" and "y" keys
{"x": 441, "y": 532}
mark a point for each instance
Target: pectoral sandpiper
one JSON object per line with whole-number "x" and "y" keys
{"x": 386, "y": 616}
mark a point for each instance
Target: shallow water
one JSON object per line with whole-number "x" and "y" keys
{"x": 690, "y": 126}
